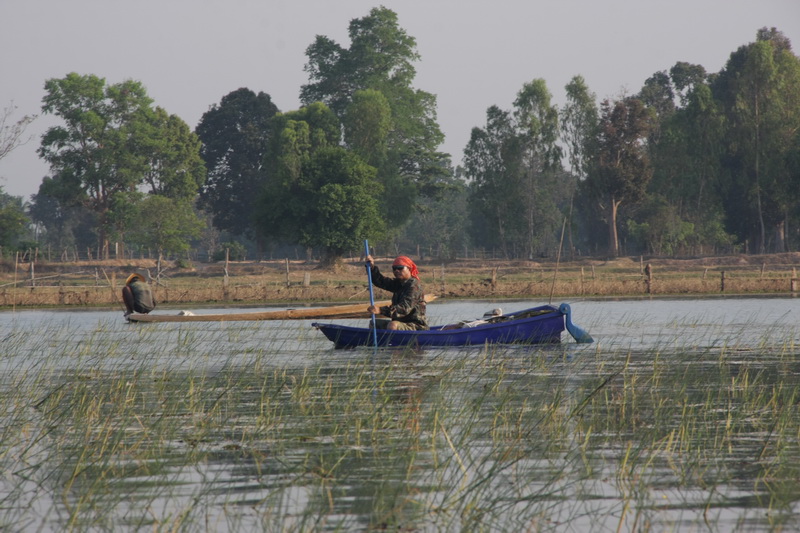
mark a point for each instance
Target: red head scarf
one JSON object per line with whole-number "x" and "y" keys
{"x": 408, "y": 263}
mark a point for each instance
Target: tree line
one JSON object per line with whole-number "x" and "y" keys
{"x": 694, "y": 163}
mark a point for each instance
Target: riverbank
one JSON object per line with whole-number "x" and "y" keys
{"x": 98, "y": 283}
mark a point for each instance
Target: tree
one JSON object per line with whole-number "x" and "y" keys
{"x": 174, "y": 169}
{"x": 110, "y": 142}
{"x": 685, "y": 78}
{"x": 165, "y": 224}
{"x": 66, "y": 223}
{"x": 578, "y": 125}
{"x": 380, "y": 58}
{"x": 759, "y": 94}
{"x": 325, "y": 198}
{"x": 517, "y": 182}
{"x": 620, "y": 168}
{"x": 13, "y": 219}
{"x": 367, "y": 123}
{"x": 439, "y": 224}
{"x": 539, "y": 166}
{"x": 488, "y": 165}
{"x": 11, "y": 133}
{"x": 578, "y": 132}
{"x": 235, "y": 136}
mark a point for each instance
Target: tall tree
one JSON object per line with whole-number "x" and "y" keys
{"x": 489, "y": 165}
{"x": 174, "y": 168}
{"x": 165, "y": 224}
{"x": 579, "y": 125}
{"x": 319, "y": 194}
{"x": 367, "y": 123}
{"x": 380, "y": 58}
{"x": 578, "y": 131}
{"x": 620, "y": 168}
{"x": 685, "y": 78}
{"x": 66, "y": 221}
{"x": 759, "y": 92}
{"x": 13, "y": 219}
{"x": 541, "y": 179}
{"x": 107, "y": 145}
{"x": 517, "y": 182}
{"x": 328, "y": 202}
{"x": 235, "y": 136}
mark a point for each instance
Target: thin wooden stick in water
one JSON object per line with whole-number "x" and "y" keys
{"x": 558, "y": 259}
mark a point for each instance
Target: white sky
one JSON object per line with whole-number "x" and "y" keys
{"x": 191, "y": 53}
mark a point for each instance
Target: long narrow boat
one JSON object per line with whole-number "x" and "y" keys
{"x": 537, "y": 325}
{"x": 358, "y": 310}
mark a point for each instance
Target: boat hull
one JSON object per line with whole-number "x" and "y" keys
{"x": 538, "y": 325}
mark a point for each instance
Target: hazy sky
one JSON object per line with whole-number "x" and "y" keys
{"x": 190, "y": 53}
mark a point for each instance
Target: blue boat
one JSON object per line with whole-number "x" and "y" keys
{"x": 537, "y": 325}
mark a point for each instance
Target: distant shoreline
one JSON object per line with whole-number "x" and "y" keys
{"x": 251, "y": 283}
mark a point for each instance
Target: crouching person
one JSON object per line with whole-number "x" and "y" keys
{"x": 137, "y": 295}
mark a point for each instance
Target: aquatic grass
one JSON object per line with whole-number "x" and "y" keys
{"x": 190, "y": 428}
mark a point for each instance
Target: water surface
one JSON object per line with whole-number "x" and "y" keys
{"x": 681, "y": 416}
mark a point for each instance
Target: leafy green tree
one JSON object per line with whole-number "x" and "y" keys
{"x": 380, "y": 58}
{"x": 685, "y": 78}
{"x": 759, "y": 92}
{"x": 325, "y": 198}
{"x": 620, "y": 168}
{"x": 66, "y": 223}
{"x": 489, "y": 165}
{"x": 13, "y": 219}
{"x": 515, "y": 167}
{"x": 541, "y": 179}
{"x": 579, "y": 125}
{"x": 165, "y": 224}
{"x": 235, "y": 137}
{"x": 175, "y": 169}
{"x": 110, "y": 142}
{"x": 440, "y": 223}
{"x": 662, "y": 230}
{"x": 367, "y": 124}
{"x": 686, "y": 163}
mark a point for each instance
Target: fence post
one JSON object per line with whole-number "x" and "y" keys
{"x": 722, "y": 282}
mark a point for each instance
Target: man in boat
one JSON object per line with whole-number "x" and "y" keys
{"x": 137, "y": 295}
{"x": 407, "y": 311}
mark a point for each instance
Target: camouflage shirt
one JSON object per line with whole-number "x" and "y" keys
{"x": 408, "y": 299}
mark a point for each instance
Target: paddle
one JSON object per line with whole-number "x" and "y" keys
{"x": 371, "y": 294}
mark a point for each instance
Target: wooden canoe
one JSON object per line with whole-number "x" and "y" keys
{"x": 358, "y": 310}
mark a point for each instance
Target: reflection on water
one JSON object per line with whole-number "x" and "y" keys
{"x": 681, "y": 416}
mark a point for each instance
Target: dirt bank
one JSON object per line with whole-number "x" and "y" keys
{"x": 98, "y": 283}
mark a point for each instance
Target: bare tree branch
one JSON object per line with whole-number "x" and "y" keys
{"x": 12, "y": 133}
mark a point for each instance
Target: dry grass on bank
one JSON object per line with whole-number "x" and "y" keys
{"x": 99, "y": 283}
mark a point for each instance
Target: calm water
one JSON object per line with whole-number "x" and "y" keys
{"x": 629, "y": 433}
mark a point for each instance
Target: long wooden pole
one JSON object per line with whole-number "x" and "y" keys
{"x": 558, "y": 259}
{"x": 371, "y": 294}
